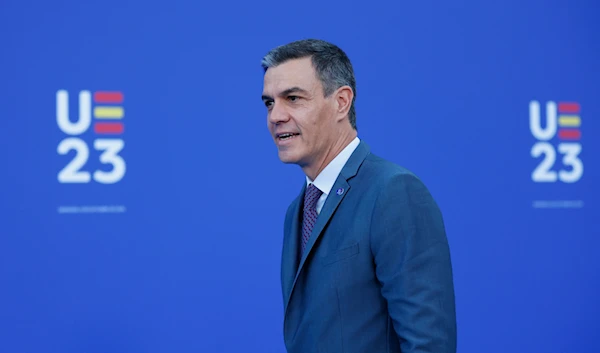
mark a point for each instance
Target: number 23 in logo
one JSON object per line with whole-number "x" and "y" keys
{"x": 567, "y": 125}
{"x": 74, "y": 171}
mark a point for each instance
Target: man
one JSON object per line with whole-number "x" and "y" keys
{"x": 365, "y": 263}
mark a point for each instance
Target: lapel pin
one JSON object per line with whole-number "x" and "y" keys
{"x": 340, "y": 191}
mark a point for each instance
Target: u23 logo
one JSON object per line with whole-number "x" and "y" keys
{"x": 73, "y": 171}
{"x": 568, "y": 150}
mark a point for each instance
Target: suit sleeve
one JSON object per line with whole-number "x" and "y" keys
{"x": 412, "y": 259}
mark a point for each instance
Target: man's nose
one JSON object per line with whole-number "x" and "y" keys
{"x": 278, "y": 114}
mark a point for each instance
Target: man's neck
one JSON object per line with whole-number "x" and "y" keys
{"x": 313, "y": 170}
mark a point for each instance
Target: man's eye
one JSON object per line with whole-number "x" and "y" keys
{"x": 268, "y": 104}
{"x": 293, "y": 98}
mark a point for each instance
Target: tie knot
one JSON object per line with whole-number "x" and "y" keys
{"x": 311, "y": 196}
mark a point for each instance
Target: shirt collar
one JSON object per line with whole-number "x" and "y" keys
{"x": 325, "y": 180}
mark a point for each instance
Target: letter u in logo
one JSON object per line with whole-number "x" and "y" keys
{"x": 535, "y": 121}
{"x": 62, "y": 113}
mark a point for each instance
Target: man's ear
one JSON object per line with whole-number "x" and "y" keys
{"x": 343, "y": 98}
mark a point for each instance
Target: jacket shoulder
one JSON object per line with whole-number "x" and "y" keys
{"x": 387, "y": 177}
{"x": 384, "y": 171}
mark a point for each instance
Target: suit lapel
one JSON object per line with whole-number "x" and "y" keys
{"x": 335, "y": 197}
{"x": 331, "y": 204}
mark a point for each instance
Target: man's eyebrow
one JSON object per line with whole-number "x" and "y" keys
{"x": 286, "y": 92}
{"x": 293, "y": 90}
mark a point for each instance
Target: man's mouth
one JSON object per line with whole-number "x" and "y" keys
{"x": 286, "y": 136}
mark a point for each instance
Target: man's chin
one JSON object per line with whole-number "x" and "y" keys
{"x": 288, "y": 158}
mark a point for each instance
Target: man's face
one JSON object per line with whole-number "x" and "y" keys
{"x": 301, "y": 120}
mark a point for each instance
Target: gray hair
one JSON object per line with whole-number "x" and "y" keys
{"x": 331, "y": 64}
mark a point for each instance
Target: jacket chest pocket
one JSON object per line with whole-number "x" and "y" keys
{"x": 345, "y": 252}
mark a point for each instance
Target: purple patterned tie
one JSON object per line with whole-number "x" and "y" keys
{"x": 311, "y": 196}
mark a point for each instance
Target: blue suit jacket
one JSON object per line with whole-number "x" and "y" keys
{"x": 376, "y": 274}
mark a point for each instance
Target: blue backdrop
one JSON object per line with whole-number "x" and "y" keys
{"x": 142, "y": 199}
